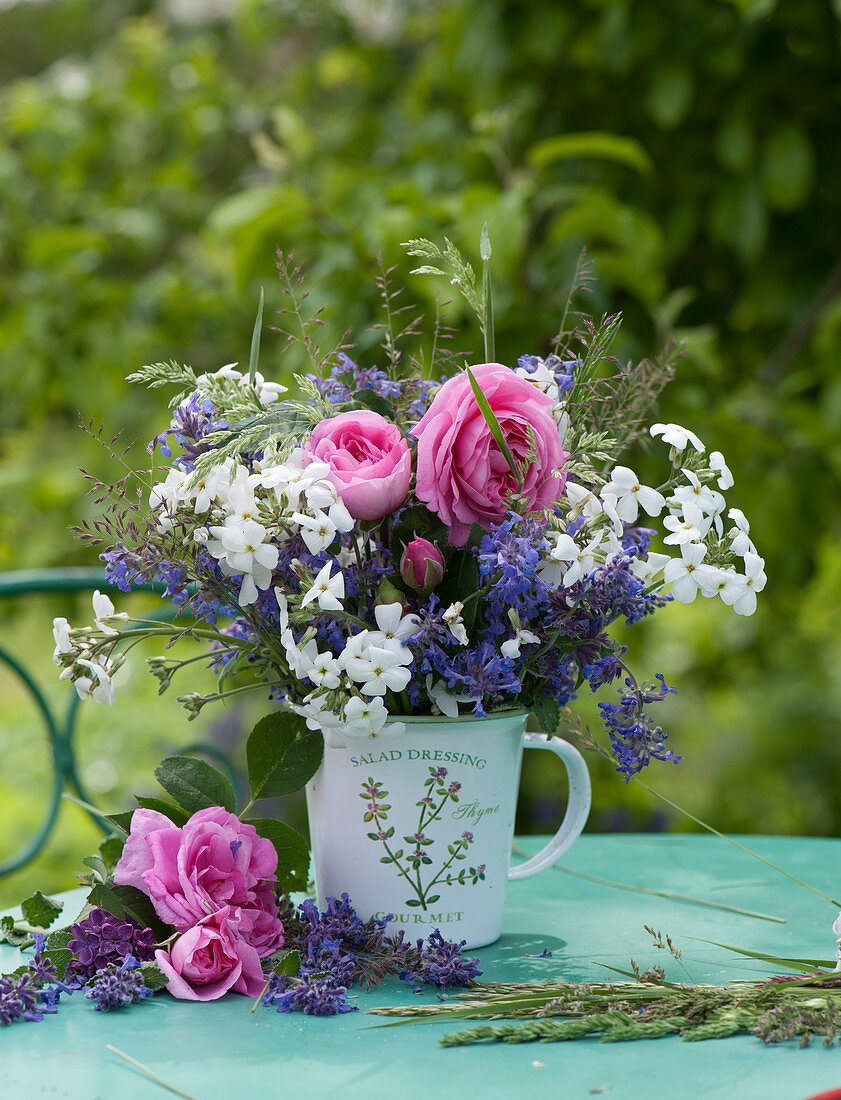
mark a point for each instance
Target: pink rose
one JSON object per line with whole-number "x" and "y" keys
{"x": 462, "y": 475}
{"x": 369, "y": 461}
{"x": 210, "y": 958}
{"x": 422, "y": 565}
{"x": 215, "y": 861}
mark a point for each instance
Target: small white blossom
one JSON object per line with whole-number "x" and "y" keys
{"x": 646, "y": 569}
{"x": 242, "y": 548}
{"x": 104, "y": 613}
{"x": 381, "y": 670}
{"x": 740, "y": 542}
{"x": 394, "y": 626}
{"x": 511, "y": 647}
{"x": 676, "y": 436}
{"x": 61, "y": 634}
{"x": 625, "y": 486}
{"x": 455, "y": 623}
{"x": 329, "y": 591}
{"x": 582, "y": 559}
{"x": 446, "y": 702}
{"x": 325, "y": 671}
{"x": 685, "y": 573}
{"x": 364, "y": 717}
{"x": 754, "y": 581}
{"x": 99, "y": 686}
{"x": 583, "y": 501}
{"x": 703, "y": 497}
{"x": 317, "y": 531}
{"x": 719, "y": 466}
{"x": 691, "y": 528}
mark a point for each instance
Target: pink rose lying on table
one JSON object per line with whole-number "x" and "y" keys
{"x": 369, "y": 461}
{"x": 213, "y": 862}
{"x": 211, "y": 958}
{"x": 462, "y": 475}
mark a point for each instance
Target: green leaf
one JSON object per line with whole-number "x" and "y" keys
{"x": 368, "y": 399}
{"x": 254, "y": 357}
{"x": 460, "y": 580}
{"x": 121, "y": 821}
{"x": 282, "y": 755}
{"x": 125, "y": 901}
{"x": 194, "y": 784}
{"x": 492, "y": 422}
{"x": 413, "y": 903}
{"x": 153, "y": 976}
{"x": 10, "y": 933}
{"x": 293, "y": 855}
{"x": 40, "y": 911}
{"x": 285, "y": 962}
{"x": 110, "y": 850}
{"x": 59, "y": 953}
{"x": 97, "y": 865}
{"x": 547, "y": 714}
{"x": 591, "y": 145}
{"x": 435, "y": 897}
{"x": 175, "y": 814}
{"x": 103, "y": 896}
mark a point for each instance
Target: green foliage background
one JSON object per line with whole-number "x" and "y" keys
{"x": 150, "y": 166}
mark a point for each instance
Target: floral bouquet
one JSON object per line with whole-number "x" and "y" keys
{"x": 431, "y": 536}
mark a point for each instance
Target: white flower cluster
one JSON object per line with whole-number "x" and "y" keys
{"x": 372, "y": 663}
{"x": 267, "y": 392}
{"x": 92, "y": 673}
{"x": 694, "y": 524}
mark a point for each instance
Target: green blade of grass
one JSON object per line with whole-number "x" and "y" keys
{"x": 254, "y": 357}
{"x": 492, "y": 422}
{"x": 487, "y": 296}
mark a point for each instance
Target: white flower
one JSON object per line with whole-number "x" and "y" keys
{"x": 266, "y": 392}
{"x": 726, "y": 583}
{"x": 685, "y": 573}
{"x": 455, "y": 623}
{"x": 318, "y": 716}
{"x": 691, "y": 528}
{"x": 61, "y": 634}
{"x": 240, "y": 547}
{"x": 325, "y": 671}
{"x": 446, "y": 702}
{"x": 630, "y": 494}
{"x": 583, "y": 501}
{"x": 836, "y": 928}
{"x": 100, "y": 687}
{"x": 676, "y": 436}
{"x": 167, "y": 495}
{"x": 646, "y": 569}
{"x": 329, "y": 591}
{"x": 364, "y": 717}
{"x": 317, "y": 531}
{"x": 381, "y": 670}
{"x": 706, "y": 499}
{"x": 717, "y": 464}
{"x": 104, "y": 613}
{"x": 740, "y": 542}
{"x": 582, "y": 559}
{"x": 393, "y": 625}
{"x": 511, "y": 647}
{"x": 754, "y": 581}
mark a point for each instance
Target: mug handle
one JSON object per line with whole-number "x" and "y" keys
{"x": 578, "y": 806}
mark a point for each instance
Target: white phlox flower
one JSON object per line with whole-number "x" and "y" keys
{"x": 719, "y": 466}
{"x": 366, "y": 717}
{"x": 511, "y": 647}
{"x": 648, "y": 568}
{"x": 379, "y": 670}
{"x": 836, "y": 928}
{"x": 165, "y": 497}
{"x": 691, "y": 528}
{"x": 446, "y": 702}
{"x": 99, "y": 686}
{"x": 754, "y": 580}
{"x": 104, "y": 613}
{"x": 242, "y": 548}
{"x": 317, "y": 531}
{"x": 686, "y": 574}
{"x": 582, "y": 560}
{"x": 583, "y": 501}
{"x": 455, "y": 623}
{"x": 676, "y": 436}
{"x": 702, "y": 496}
{"x": 395, "y": 628}
{"x": 325, "y": 671}
{"x": 723, "y": 582}
{"x": 625, "y": 486}
{"x": 740, "y": 542}
{"x": 328, "y": 591}
{"x": 266, "y": 392}
{"x": 61, "y": 634}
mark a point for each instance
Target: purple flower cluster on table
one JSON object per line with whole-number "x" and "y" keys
{"x": 338, "y": 950}
{"x": 31, "y": 995}
{"x": 101, "y": 940}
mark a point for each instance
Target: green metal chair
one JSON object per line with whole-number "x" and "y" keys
{"x": 60, "y": 728}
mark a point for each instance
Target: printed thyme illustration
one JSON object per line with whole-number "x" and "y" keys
{"x": 410, "y": 864}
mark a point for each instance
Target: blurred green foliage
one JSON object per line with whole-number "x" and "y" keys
{"x": 149, "y": 169}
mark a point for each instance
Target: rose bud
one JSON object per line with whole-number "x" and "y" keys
{"x": 422, "y": 566}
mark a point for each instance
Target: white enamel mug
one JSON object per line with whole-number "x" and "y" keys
{"x": 418, "y": 824}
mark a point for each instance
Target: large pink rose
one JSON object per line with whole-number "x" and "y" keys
{"x": 210, "y": 958}
{"x": 215, "y": 861}
{"x": 462, "y": 474}
{"x": 369, "y": 461}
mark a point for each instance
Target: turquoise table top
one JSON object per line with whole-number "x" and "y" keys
{"x": 222, "y": 1050}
